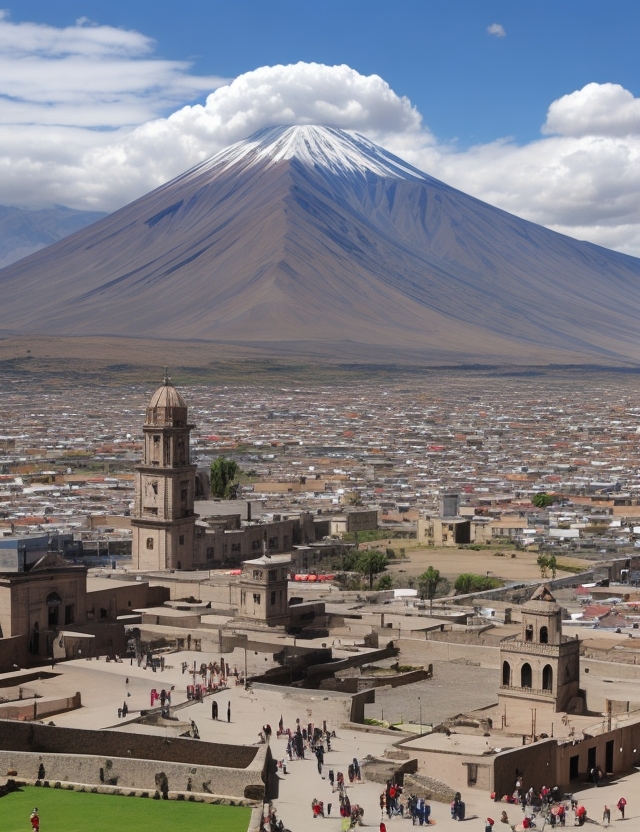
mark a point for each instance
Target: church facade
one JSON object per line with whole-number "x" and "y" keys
{"x": 164, "y": 521}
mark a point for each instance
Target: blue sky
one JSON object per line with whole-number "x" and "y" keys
{"x": 466, "y": 95}
{"x": 468, "y": 85}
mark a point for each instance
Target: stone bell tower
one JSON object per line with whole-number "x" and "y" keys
{"x": 163, "y": 522}
{"x": 541, "y": 666}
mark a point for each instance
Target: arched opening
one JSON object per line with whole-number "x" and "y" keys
{"x": 544, "y": 635}
{"x": 506, "y": 673}
{"x": 528, "y": 633}
{"x": 53, "y": 609}
{"x": 525, "y": 675}
{"x": 547, "y": 677}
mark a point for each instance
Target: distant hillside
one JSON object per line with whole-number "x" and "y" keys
{"x": 25, "y": 230}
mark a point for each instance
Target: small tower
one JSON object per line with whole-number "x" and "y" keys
{"x": 541, "y": 666}
{"x": 263, "y": 590}
{"x": 163, "y": 522}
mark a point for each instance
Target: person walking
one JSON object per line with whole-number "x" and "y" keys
{"x": 35, "y": 820}
{"x": 606, "y": 816}
{"x": 621, "y": 804}
{"x": 320, "y": 758}
{"x": 229, "y": 711}
{"x": 214, "y": 709}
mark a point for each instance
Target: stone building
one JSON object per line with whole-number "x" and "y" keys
{"x": 541, "y": 667}
{"x": 263, "y": 590}
{"x": 164, "y": 521}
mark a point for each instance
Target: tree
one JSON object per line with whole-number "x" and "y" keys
{"x": 385, "y": 582}
{"x": 552, "y": 564}
{"x": 428, "y": 583}
{"x": 542, "y": 500}
{"x": 371, "y": 562}
{"x": 543, "y": 563}
{"x": 224, "y": 473}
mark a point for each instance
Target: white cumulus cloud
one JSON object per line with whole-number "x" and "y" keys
{"x": 581, "y": 177}
{"x": 497, "y": 30}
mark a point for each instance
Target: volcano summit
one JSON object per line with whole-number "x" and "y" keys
{"x": 310, "y": 239}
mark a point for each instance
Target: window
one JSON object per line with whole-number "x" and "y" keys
{"x": 257, "y": 575}
{"x": 69, "y": 614}
{"x": 547, "y": 677}
{"x": 149, "y": 543}
{"x": 273, "y": 543}
{"x": 181, "y": 540}
{"x": 256, "y": 597}
{"x": 525, "y": 676}
{"x": 544, "y": 635}
{"x": 210, "y": 553}
{"x": 528, "y": 633}
{"x": 273, "y": 574}
{"x": 273, "y": 598}
{"x": 255, "y": 545}
{"x": 506, "y": 673}
{"x": 156, "y": 440}
{"x": 235, "y": 547}
{"x": 183, "y": 495}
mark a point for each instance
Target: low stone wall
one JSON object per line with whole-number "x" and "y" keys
{"x": 132, "y": 760}
{"x": 39, "y": 708}
{"x": 129, "y": 773}
{"x": 13, "y": 652}
{"x": 420, "y": 651}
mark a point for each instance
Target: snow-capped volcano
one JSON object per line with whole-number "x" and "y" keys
{"x": 322, "y": 147}
{"x": 312, "y": 240}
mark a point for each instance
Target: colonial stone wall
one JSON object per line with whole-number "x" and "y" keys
{"x": 39, "y": 708}
{"x": 132, "y": 761}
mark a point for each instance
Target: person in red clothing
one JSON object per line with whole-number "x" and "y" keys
{"x": 621, "y": 804}
{"x": 35, "y": 820}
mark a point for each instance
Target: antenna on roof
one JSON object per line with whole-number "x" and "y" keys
{"x": 166, "y": 379}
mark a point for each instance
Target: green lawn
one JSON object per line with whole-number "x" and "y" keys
{"x": 66, "y": 811}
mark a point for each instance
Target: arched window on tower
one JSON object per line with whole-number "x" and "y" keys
{"x": 525, "y": 675}
{"x": 528, "y": 633}
{"x": 544, "y": 635}
{"x": 547, "y": 677}
{"x": 506, "y": 673}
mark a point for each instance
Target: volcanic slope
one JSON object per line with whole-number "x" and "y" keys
{"x": 309, "y": 236}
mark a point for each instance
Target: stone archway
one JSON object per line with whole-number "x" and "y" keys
{"x": 525, "y": 675}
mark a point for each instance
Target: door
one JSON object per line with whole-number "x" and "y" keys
{"x": 591, "y": 759}
{"x": 573, "y": 767}
{"x": 608, "y": 757}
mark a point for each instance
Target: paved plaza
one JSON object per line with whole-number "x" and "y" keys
{"x": 104, "y": 688}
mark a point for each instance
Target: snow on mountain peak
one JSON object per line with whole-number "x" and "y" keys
{"x": 318, "y": 147}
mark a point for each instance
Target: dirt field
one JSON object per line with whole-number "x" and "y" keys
{"x": 453, "y": 562}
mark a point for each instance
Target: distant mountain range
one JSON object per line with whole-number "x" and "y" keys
{"x": 25, "y": 230}
{"x": 312, "y": 240}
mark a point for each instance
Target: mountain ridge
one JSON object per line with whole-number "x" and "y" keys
{"x": 292, "y": 237}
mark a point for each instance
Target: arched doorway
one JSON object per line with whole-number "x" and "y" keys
{"x": 547, "y": 677}
{"x": 506, "y": 673}
{"x": 53, "y": 609}
{"x": 525, "y": 675}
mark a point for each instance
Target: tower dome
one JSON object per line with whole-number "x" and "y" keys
{"x": 167, "y": 407}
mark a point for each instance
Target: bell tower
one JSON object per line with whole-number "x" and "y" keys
{"x": 163, "y": 522}
{"x": 541, "y": 666}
